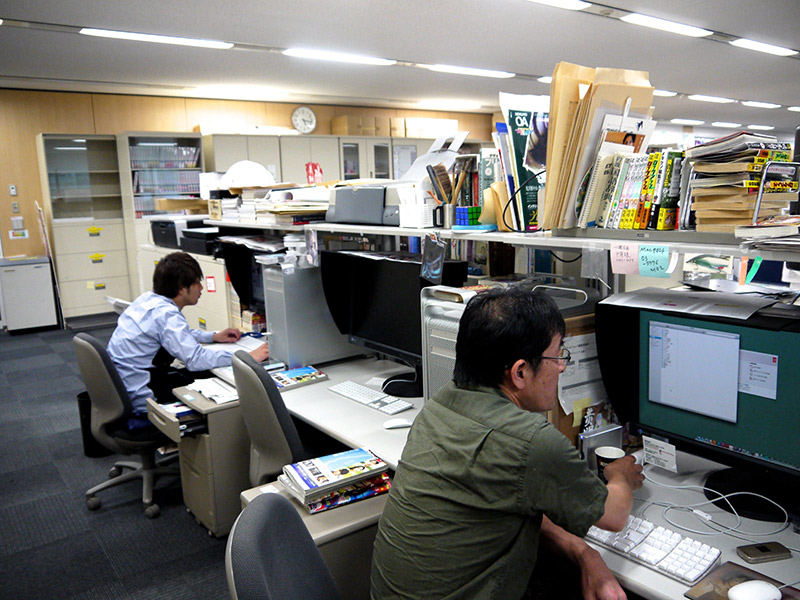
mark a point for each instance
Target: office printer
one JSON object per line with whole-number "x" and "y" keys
{"x": 167, "y": 230}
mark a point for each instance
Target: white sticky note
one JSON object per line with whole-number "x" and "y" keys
{"x": 211, "y": 283}
{"x": 624, "y": 258}
{"x": 660, "y": 454}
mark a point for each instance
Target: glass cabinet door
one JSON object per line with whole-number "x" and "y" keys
{"x": 351, "y": 160}
{"x": 381, "y": 157}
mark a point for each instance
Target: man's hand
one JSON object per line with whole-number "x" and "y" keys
{"x": 261, "y": 353}
{"x": 597, "y": 581}
{"x": 228, "y": 335}
{"x": 625, "y": 467}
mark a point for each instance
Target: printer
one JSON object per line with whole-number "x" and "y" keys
{"x": 167, "y": 230}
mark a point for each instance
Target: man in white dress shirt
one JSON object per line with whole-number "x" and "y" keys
{"x": 153, "y": 331}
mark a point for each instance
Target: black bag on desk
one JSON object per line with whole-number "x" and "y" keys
{"x": 91, "y": 447}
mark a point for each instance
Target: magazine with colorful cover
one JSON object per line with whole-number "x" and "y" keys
{"x": 317, "y": 477}
{"x": 297, "y": 377}
{"x": 360, "y": 490}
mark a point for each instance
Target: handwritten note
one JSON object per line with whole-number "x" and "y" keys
{"x": 624, "y": 258}
{"x": 653, "y": 260}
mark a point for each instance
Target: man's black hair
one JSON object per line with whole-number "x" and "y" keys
{"x": 174, "y": 272}
{"x": 499, "y": 327}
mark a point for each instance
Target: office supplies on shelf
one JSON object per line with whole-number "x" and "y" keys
{"x": 660, "y": 549}
{"x": 316, "y": 478}
{"x": 370, "y": 397}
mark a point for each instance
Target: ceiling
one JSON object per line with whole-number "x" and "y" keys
{"x": 509, "y": 35}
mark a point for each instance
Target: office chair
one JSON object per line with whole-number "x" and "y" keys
{"x": 270, "y": 555}
{"x": 111, "y": 407}
{"x": 274, "y": 441}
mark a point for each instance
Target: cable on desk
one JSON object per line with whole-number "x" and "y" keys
{"x": 564, "y": 260}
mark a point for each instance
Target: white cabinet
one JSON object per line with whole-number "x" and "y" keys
{"x": 27, "y": 288}
{"x": 297, "y": 150}
{"x": 365, "y": 157}
{"x": 221, "y": 151}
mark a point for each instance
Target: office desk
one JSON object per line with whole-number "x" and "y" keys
{"x": 649, "y": 583}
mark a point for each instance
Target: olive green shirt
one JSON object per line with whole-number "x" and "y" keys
{"x": 465, "y": 510}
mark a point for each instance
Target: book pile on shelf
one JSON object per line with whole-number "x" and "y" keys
{"x": 337, "y": 479}
{"x": 778, "y": 233}
{"x": 727, "y": 173}
{"x": 164, "y": 157}
{"x": 598, "y": 121}
{"x": 277, "y": 205}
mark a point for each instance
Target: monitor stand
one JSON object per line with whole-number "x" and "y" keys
{"x": 730, "y": 481}
{"x": 405, "y": 385}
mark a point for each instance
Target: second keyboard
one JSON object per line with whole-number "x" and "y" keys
{"x": 367, "y": 396}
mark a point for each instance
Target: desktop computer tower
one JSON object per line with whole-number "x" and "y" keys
{"x": 303, "y": 331}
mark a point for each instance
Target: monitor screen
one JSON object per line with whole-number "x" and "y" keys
{"x": 725, "y": 389}
{"x": 374, "y": 299}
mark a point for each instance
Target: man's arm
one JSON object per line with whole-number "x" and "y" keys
{"x": 624, "y": 476}
{"x": 228, "y": 335}
{"x": 597, "y": 581}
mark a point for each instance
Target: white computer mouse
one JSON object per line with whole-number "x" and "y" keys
{"x": 754, "y": 590}
{"x": 396, "y": 424}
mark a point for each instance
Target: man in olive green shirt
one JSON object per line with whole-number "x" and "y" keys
{"x": 484, "y": 477}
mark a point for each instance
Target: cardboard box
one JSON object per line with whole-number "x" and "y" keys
{"x": 397, "y": 127}
{"x": 383, "y": 126}
{"x": 346, "y": 125}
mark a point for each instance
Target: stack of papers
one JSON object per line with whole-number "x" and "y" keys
{"x": 214, "y": 389}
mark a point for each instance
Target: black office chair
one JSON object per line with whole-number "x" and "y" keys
{"x": 274, "y": 441}
{"x": 111, "y": 407}
{"x": 270, "y": 555}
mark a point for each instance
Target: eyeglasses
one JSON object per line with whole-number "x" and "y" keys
{"x": 564, "y": 355}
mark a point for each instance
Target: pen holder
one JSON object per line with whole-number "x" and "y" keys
{"x": 444, "y": 216}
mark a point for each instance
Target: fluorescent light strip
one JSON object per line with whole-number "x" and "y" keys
{"x": 470, "y": 71}
{"x": 794, "y": 108}
{"x": 454, "y": 105}
{"x": 157, "y": 144}
{"x": 158, "y": 39}
{"x": 664, "y": 93}
{"x": 725, "y": 124}
{"x": 716, "y": 99}
{"x": 69, "y": 148}
{"x": 761, "y": 47}
{"x": 687, "y": 122}
{"x": 240, "y": 92}
{"x": 338, "y": 57}
{"x": 566, "y": 4}
{"x": 545, "y": 79}
{"x": 761, "y": 127}
{"x": 755, "y": 104}
{"x": 664, "y": 25}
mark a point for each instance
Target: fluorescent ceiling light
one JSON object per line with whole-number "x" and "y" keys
{"x": 717, "y": 99}
{"x": 79, "y": 141}
{"x": 567, "y": 4}
{"x": 545, "y": 79}
{"x": 69, "y": 148}
{"x": 794, "y": 108}
{"x": 470, "y": 71}
{"x": 448, "y": 105}
{"x": 664, "y": 93}
{"x": 664, "y": 25}
{"x": 761, "y": 127}
{"x": 338, "y": 57}
{"x": 158, "y": 39}
{"x": 724, "y": 124}
{"x": 761, "y": 47}
{"x": 686, "y": 122}
{"x": 754, "y": 104}
{"x": 239, "y": 92}
{"x": 1, "y": 21}
{"x": 157, "y": 144}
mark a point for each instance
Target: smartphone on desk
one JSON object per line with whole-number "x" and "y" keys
{"x": 763, "y": 552}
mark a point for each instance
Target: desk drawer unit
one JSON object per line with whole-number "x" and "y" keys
{"x": 92, "y": 265}
{"x": 87, "y": 296}
{"x": 88, "y": 236}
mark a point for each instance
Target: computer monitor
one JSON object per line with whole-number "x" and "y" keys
{"x": 374, "y": 299}
{"x": 723, "y": 388}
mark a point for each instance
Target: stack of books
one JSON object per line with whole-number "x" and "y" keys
{"x": 728, "y": 174}
{"x": 337, "y": 479}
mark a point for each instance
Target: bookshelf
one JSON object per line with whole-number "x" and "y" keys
{"x": 153, "y": 166}
{"x": 82, "y": 206}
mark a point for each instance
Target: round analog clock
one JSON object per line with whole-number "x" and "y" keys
{"x": 304, "y": 120}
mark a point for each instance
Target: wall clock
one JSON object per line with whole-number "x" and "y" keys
{"x": 304, "y": 120}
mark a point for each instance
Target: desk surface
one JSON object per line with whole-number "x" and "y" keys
{"x": 651, "y": 584}
{"x": 349, "y": 422}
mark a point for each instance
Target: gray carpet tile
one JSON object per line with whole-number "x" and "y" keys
{"x": 47, "y": 360}
{"x": 198, "y": 575}
{"x": 45, "y": 405}
{"x": 10, "y": 342}
{"x": 66, "y": 567}
{"x": 65, "y": 347}
{"x": 67, "y": 444}
{"x": 7, "y": 354}
{"x": 60, "y": 419}
{"x": 23, "y": 485}
{"x": 11, "y": 431}
{"x": 34, "y": 384}
{"x": 11, "y": 409}
{"x": 79, "y": 472}
{"x": 104, "y": 591}
{"x": 22, "y": 454}
{"x": 136, "y": 546}
{"x": 38, "y": 522}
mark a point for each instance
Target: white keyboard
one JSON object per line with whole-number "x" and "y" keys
{"x": 660, "y": 549}
{"x": 369, "y": 397}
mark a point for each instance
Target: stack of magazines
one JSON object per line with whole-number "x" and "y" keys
{"x": 337, "y": 479}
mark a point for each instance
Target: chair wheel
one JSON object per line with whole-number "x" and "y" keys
{"x": 152, "y": 511}
{"x": 114, "y": 472}
{"x": 92, "y": 502}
